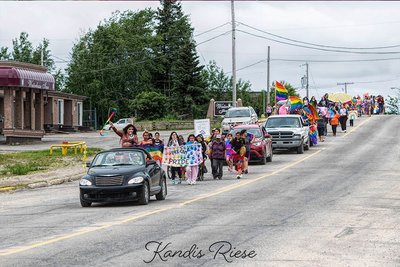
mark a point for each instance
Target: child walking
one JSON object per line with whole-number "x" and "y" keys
{"x": 191, "y": 171}
{"x": 218, "y": 155}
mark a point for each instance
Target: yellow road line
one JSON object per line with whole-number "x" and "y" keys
{"x": 90, "y": 229}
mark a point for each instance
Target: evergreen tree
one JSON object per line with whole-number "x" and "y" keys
{"x": 179, "y": 75}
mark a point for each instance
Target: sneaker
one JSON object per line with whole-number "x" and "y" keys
{"x": 246, "y": 171}
{"x": 345, "y": 131}
{"x": 239, "y": 176}
{"x": 173, "y": 181}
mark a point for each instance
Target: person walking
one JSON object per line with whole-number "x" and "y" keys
{"x": 238, "y": 145}
{"x": 343, "y": 117}
{"x": 335, "y": 122}
{"x": 229, "y": 152}
{"x": 191, "y": 171}
{"x": 174, "y": 141}
{"x": 202, "y": 167}
{"x": 268, "y": 110}
{"x": 321, "y": 128}
{"x": 218, "y": 149}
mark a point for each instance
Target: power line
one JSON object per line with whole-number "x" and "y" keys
{"x": 320, "y": 45}
{"x": 317, "y": 48}
{"x": 335, "y": 61}
{"x": 213, "y": 29}
{"x": 215, "y": 37}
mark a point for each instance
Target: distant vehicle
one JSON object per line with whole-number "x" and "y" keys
{"x": 238, "y": 115}
{"x": 261, "y": 149}
{"x": 120, "y": 124}
{"x": 122, "y": 174}
{"x": 289, "y": 132}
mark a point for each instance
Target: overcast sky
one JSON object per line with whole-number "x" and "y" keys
{"x": 336, "y": 24}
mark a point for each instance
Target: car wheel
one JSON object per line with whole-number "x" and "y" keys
{"x": 264, "y": 158}
{"x": 269, "y": 158}
{"x": 300, "y": 149}
{"x": 144, "y": 195}
{"x": 84, "y": 203}
{"x": 163, "y": 192}
{"x": 307, "y": 146}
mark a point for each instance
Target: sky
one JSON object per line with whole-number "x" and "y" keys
{"x": 342, "y": 26}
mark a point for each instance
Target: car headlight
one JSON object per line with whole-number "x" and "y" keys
{"x": 85, "y": 182}
{"x": 297, "y": 136}
{"x": 257, "y": 143}
{"x": 136, "y": 180}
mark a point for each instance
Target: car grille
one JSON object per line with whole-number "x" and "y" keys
{"x": 281, "y": 135}
{"x": 109, "y": 180}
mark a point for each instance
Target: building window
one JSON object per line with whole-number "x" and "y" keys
{"x": 60, "y": 111}
{"x": 80, "y": 113}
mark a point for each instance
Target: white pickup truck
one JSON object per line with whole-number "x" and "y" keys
{"x": 288, "y": 132}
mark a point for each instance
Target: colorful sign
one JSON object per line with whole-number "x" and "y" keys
{"x": 182, "y": 156}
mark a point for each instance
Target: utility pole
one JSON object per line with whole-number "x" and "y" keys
{"x": 233, "y": 54}
{"x": 307, "y": 79}
{"x": 345, "y": 85}
{"x": 268, "y": 95}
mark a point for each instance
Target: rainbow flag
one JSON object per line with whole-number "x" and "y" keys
{"x": 314, "y": 112}
{"x": 295, "y": 102}
{"x": 156, "y": 151}
{"x": 281, "y": 91}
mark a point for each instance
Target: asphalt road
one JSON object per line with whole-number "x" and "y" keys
{"x": 336, "y": 205}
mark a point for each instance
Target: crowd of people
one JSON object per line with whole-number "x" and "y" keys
{"x": 235, "y": 150}
{"x": 232, "y": 150}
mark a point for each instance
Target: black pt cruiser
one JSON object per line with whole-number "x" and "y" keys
{"x": 122, "y": 174}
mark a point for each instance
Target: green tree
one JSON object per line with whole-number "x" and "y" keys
{"x": 179, "y": 76}
{"x": 4, "y": 55}
{"x": 149, "y": 105}
{"x": 392, "y": 105}
{"x": 115, "y": 62}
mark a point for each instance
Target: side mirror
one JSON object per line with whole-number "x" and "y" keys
{"x": 267, "y": 135}
{"x": 88, "y": 164}
{"x": 150, "y": 162}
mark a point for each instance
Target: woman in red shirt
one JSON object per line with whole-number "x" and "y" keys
{"x": 128, "y": 135}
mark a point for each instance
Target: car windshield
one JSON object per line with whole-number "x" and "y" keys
{"x": 283, "y": 122}
{"x": 119, "y": 158}
{"x": 236, "y": 113}
{"x": 253, "y": 131}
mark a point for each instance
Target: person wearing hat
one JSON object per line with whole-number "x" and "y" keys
{"x": 218, "y": 150}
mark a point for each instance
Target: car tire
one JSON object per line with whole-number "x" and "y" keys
{"x": 163, "y": 192}
{"x": 84, "y": 203}
{"x": 307, "y": 146}
{"x": 264, "y": 158}
{"x": 269, "y": 158}
{"x": 300, "y": 149}
{"x": 144, "y": 195}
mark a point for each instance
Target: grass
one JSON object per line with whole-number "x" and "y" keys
{"x": 22, "y": 163}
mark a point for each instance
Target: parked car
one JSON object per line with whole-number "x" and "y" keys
{"x": 261, "y": 149}
{"x": 120, "y": 124}
{"x": 122, "y": 174}
{"x": 288, "y": 132}
{"x": 238, "y": 115}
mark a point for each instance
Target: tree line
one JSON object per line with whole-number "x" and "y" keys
{"x": 144, "y": 63}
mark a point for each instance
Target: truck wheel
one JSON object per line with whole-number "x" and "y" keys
{"x": 307, "y": 147}
{"x": 300, "y": 149}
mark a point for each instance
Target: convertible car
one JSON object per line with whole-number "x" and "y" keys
{"x": 122, "y": 174}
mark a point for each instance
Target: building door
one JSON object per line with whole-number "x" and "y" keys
{"x": 60, "y": 107}
{"x": 80, "y": 113}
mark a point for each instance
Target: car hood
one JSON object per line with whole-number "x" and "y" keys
{"x": 236, "y": 120}
{"x": 115, "y": 170}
